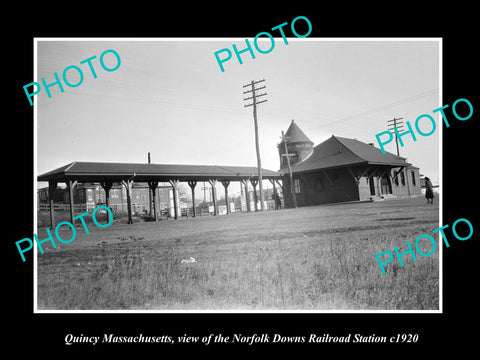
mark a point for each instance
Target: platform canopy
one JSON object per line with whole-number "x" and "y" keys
{"x": 116, "y": 172}
{"x": 127, "y": 173}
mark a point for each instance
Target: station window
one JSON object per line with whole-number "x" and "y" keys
{"x": 413, "y": 178}
{"x": 402, "y": 178}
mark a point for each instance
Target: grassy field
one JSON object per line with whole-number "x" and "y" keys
{"x": 310, "y": 258}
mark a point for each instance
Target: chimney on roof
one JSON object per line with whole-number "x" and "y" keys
{"x": 371, "y": 144}
{"x": 149, "y": 157}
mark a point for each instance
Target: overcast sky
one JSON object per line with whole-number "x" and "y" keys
{"x": 170, "y": 98}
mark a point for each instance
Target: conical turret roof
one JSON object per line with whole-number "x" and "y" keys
{"x": 295, "y": 134}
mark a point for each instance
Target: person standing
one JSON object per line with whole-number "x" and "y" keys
{"x": 429, "y": 191}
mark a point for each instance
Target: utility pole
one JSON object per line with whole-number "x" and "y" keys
{"x": 150, "y": 192}
{"x": 395, "y": 123}
{"x": 204, "y": 188}
{"x": 254, "y": 103}
{"x": 287, "y": 156}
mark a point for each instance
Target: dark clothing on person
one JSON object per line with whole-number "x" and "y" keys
{"x": 278, "y": 202}
{"x": 429, "y": 194}
{"x": 428, "y": 189}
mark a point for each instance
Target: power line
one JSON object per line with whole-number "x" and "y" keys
{"x": 380, "y": 108}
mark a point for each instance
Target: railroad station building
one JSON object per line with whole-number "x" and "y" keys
{"x": 342, "y": 170}
{"x": 337, "y": 170}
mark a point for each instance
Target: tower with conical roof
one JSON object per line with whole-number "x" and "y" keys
{"x": 298, "y": 144}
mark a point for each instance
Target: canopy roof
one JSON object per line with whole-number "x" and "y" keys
{"x": 102, "y": 171}
{"x": 339, "y": 152}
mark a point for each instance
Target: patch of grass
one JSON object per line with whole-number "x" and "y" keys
{"x": 299, "y": 259}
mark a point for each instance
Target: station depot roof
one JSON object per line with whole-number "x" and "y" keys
{"x": 115, "y": 172}
{"x": 340, "y": 152}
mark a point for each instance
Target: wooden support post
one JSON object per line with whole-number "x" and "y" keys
{"x": 355, "y": 177}
{"x": 152, "y": 185}
{"x": 225, "y": 184}
{"x": 275, "y": 195}
{"x": 213, "y": 182}
{"x": 283, "y": 186}
{"x": 247, "y": 195}
{"x": 71, "y": 185}
{"x": 52, "y": 185}
{"x": 372, "y": 174}
{"x": 129, "y": 201}
{"x": 150, "y": 209}
{"x": 128, "y": 187}
{"x": 192, "y": 185}
{"x": 364, "y": 173}
{"x": 371, "y": 181}
{"x": 107, "y": 185}
{"x": 255, "y": 198}
{"x": 174, "y": 184}
{"x": 384, "y": 172}
{"x": 279, "y": 184}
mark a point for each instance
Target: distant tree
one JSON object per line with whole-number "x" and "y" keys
{"x": 184, "y": 192}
